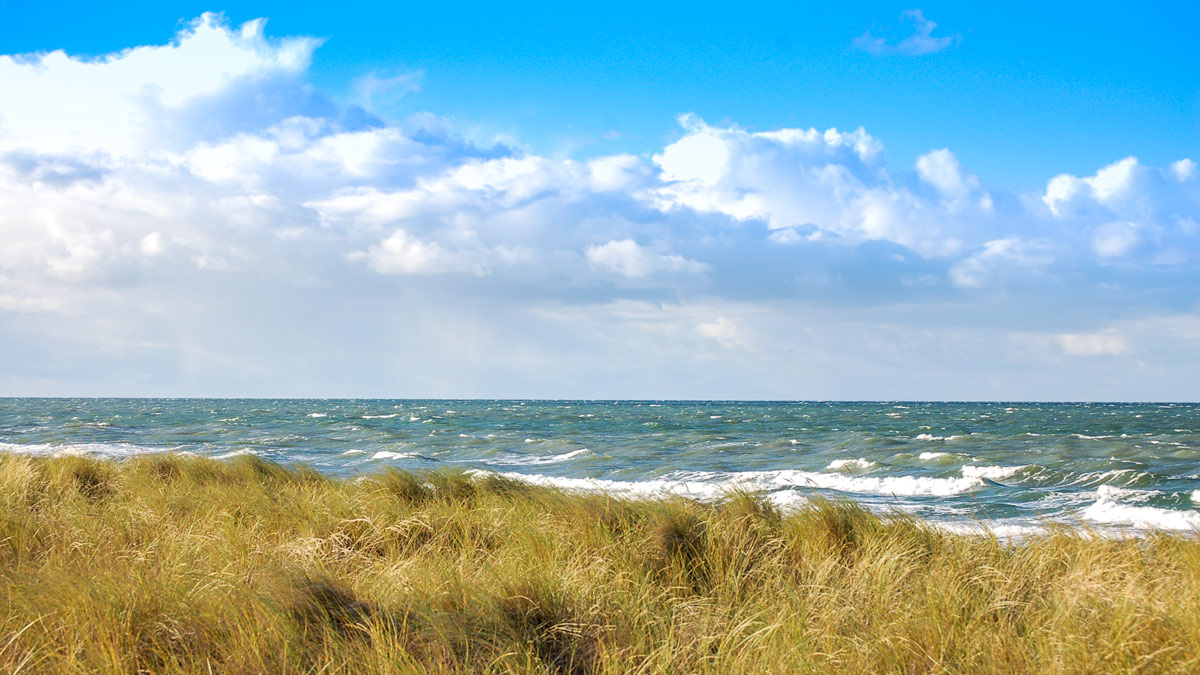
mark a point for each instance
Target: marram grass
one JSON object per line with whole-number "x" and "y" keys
{"x": 173, "y": 564}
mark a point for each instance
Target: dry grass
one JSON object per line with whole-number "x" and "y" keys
{"x": 170, "y": 564}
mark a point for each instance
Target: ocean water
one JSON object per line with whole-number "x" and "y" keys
{"x": 1012, "y": 468}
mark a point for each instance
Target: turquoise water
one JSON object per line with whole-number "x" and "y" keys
{"x": 1011, "y": 467}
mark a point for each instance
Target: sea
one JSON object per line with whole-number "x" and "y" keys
{"x": 1011, "y": 469}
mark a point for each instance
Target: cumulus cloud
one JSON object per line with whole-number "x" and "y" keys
{"x": 723, "y": 331}
{"x": 107, "y": 104}
{"x": 941, "y": 169}
{"x": 831, "y": 184}
{"x": 1128, "y": 207}
{"x": 996, "y": 258}
{"x": 127, "y": 247}
{"x": 921, "y": 41}
{"x": 629, "y": 259}
{"x": 1092, "y": 344}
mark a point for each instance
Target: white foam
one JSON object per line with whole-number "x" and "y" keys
{"x": 927, "y": 456}
{"x": 379, "y": 417}
{"x": 990, "y": 472}
{"x": 235, "y": 453}
{"x": 388, "y": 454}
{"x": 931, "y": 437}
{"x": 100, "y": 450}
{"x": 1107, "y": 511}
{"x": 1196, "y": 496}
{"x": 1090, "y": 438}
{"x": 1003, "y": 531}
{"x": 526, "y": 460}
{"x": 354, "y": 452}
{"x": 708, "y": 485}
{"x": 1112, "y": 492}
{"x": 787, "y": 500}
{"x": 636, "y": 489}
{"x": 901, "y": 486}
{"x": 846, "y": 464}
{"x": 317, "y": 415}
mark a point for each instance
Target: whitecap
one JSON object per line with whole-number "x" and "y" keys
{"x": 316, "y": 414}
{"x": 901, "y": 486}
{"x": 1013, "y": 532}
{"x": 235, "y": 453}
{"x": 527, "y": 460}
{"x": 931, "y": 437}
{"x": 1107, "y": 511}
{"x": 991, "y": 472}
{"x": 379, "y": 417}
{"x": 388, "y": 454}
{"x": 709, "y": 485}
{"x": 927, "y": 456}
{"x": 1112, "y": 492}
{"x": 1196, "y": 496}
{"x": 845, "y": 464}
{"x": 100, "y": 450}
{"x": 354, "y": 452}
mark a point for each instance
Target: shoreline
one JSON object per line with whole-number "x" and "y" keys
{"x": 181, "y": 564}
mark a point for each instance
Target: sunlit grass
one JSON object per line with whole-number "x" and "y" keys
{"x": 176, "y": 564}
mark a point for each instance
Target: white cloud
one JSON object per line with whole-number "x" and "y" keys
{"x": 110, "y": 104}
{"x": 127, "y": 254}
{"x": 832, "y": 181}
{"x": 1129, "y": 208}
{"x": 723, "y": 331}
{"x": 1115, "y": 239}
{"x": 940, "y": 168}
{"x": 920, "y": 42}
{"x": 629, "y": 259}
{"x": 1092, "y": 344}
{"x": 997, "y": 258}
{"x": 1183, "y": 169}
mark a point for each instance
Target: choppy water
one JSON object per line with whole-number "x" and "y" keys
{"x": 1009, "y": 466}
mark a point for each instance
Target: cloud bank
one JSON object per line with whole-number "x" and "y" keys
{"x": 193, "y": 218}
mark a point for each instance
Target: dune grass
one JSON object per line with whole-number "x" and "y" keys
{"x": 174, "y": 564}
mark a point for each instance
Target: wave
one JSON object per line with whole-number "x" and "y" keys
{"x": 708, "y": 486}
{"x": 235, "y": 453}
{"x": 99, "y": 450}
{"x": 931, "y": 437}
{"x": 318, "y": 415}
{"x": 1111, "y": 512}
{"x": 379, "y": 417}
{"x": 388, "y": 454}
{"x": 847, "y": 464}
{"x": 991, "y": 472}
{"x": 927, "y": 456}
{"x": 528, "y": 460}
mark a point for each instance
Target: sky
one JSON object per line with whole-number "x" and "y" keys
{"x": 649, "y": 200}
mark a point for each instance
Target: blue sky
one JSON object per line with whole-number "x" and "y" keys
{"x": 634, "y": 200}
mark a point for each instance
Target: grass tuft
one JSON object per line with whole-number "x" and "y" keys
{"x": 182, "y": 564}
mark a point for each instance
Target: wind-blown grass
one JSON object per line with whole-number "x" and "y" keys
{"x": 175, "y": 564}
